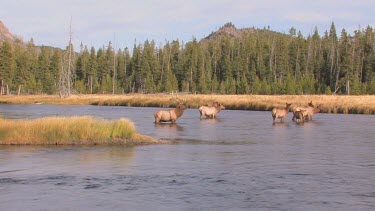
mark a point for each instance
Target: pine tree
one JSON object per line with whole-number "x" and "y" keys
{"x": 22, "y": 60}
{"x": 32, "y": 68}
{"x": 290, "y": 85}
{"x": 7, "y": 64}
{"x": 243, "y": 86}
{"x": 82, "y": 64}
{"x": 54, "y": 70}
{"x": 92, "y": 71}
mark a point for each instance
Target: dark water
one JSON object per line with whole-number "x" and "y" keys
{"x": 240, "y": 161}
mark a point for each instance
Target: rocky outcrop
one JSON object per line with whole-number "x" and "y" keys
{"x": 230, "y": 30}
{"x": 5, "y": 34}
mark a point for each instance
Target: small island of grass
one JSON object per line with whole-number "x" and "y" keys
{"x": 78, "y": 130}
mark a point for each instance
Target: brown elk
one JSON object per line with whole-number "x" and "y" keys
{"x": 313, "y": 110}
{"x": 300, "y": 115}
{"x": 310, "y": 108}
{"x": 280, "y": 113}
{"x": 170, "y": 115}
{"x": 210, "y": 111}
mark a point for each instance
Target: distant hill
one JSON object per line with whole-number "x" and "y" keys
{"x": 5, "y": 34}
{"x": 230, "y": 30}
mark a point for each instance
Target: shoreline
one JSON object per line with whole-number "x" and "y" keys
{"x": 346, "y": 104}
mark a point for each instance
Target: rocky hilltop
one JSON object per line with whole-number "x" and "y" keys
{"x": 230, "y": 30}
{"x": 5, "y": 34}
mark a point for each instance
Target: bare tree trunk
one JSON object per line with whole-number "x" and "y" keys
{"x": 348, "y": 87}
{"x": 191, "y": 80}
{"x": 332, "y": 62}
{"x": 162, "y": 71}
{"x": 19, "y": 90}
{"x": 114, "y": 67}
{"x": 2, "y": 87}
{"x": 362, "y": 61}
{"x": 297, "y": 65}
{"x": 271, "y": 56}
{"x": 66, "y": 74}
{"x": 353, "y": 58}
{"x": 125, "y": 73}
{"x": 91, "y": 85}
{"x": 338, "y": 70}
{"x": 308, "y": 56}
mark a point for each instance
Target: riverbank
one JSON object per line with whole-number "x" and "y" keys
{"x": 79, "y": 130}
{"x": 352, "y": 104}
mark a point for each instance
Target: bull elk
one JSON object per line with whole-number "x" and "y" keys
{"x": 210, "y": 111}
{"x": 310, "y": 108}
{"x": 280, "y": 113}
{"x": 170, "y": 115}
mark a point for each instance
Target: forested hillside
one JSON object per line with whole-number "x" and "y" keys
{"x": 229, "y": 61}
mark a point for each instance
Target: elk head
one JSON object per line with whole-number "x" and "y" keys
{"x": 181, "y": 104}
{"x": 288, "y": 105}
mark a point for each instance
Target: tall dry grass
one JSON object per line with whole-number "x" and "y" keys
{"x": 356, "y": 104}
{"x": 84, "y": 130}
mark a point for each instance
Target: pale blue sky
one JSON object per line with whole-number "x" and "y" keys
{"x": 95, "y": 23}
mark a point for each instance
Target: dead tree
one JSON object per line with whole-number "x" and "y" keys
{"x": 66, "y": 72}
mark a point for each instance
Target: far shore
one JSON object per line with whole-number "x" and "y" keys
{"x": 347, "y": 104}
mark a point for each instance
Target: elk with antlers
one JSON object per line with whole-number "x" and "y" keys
{"x": 171, "y": 115}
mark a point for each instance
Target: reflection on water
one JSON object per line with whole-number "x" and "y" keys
{"x": 169, "y": 126}
{"x": 280, "y": 124}
{"x": 241, "y": 160}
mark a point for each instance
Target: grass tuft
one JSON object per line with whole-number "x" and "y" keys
{"x": 83, "y": 130}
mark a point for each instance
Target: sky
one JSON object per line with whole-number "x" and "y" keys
{"x": 95, "y": 23}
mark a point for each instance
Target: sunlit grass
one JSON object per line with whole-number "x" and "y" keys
{"x": 84, "y": 130}
{"x": 356, "y": 104}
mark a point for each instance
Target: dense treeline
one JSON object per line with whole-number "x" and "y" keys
{"x": 251, "y": 62}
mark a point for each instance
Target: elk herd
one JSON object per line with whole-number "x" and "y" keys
{"x": 300, "y": 113}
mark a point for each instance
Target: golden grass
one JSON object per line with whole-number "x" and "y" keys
{"x": 357, "y": 104}
{"x": 84, "y": 130}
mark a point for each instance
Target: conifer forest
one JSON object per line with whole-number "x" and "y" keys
{"x": 229, "y": 61}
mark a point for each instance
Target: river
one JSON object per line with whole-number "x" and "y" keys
{"x": 239, "y": 161}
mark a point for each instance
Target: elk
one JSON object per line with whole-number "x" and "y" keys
{"x": 170, "y": 115}
{"x": 210, "y": 111}
{"x": 314, "y": 110}
{"x": 280, "y": 113}
{"x": 310, "y": 108}
{"x": 300, "y": 115}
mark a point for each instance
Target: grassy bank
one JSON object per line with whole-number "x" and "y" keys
{"x": 82, "y": 130}
{"x": 356, "y": 104}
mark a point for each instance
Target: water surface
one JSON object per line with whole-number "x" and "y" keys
{"x": 241, "y": 160}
